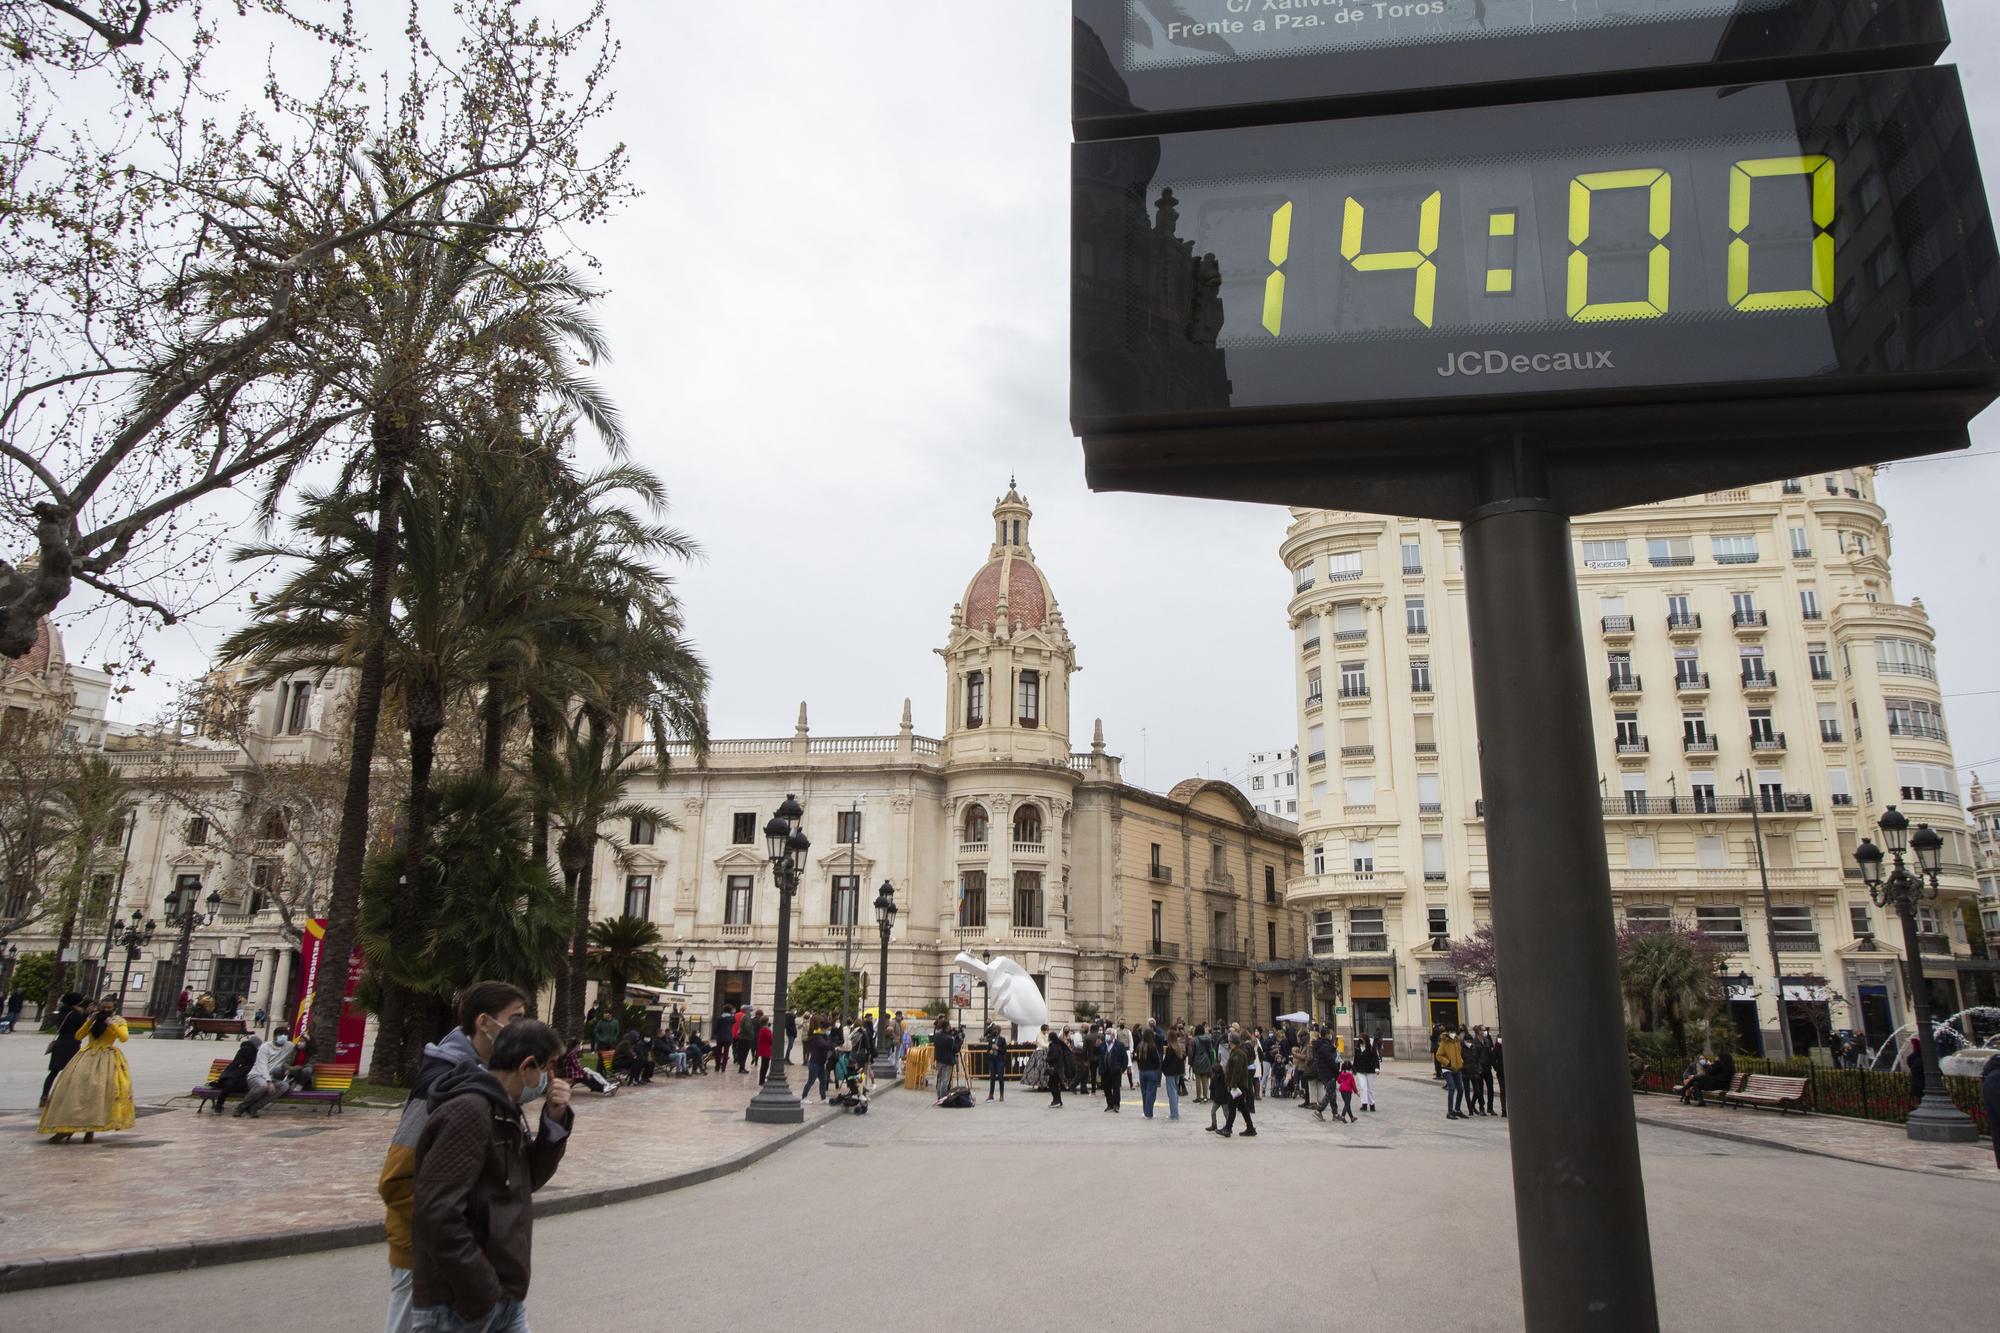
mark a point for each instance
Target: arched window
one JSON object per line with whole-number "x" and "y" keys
{"x": 975, "y": 823}
{"x": 1029, "y": 688}
{"x": 1028, "y": 825}
{"x": 975, "y": 698}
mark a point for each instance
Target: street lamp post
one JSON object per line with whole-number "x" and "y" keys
{"x": 181, "y": 906}
{"x": 885, "y": 921}
{"x": 1934, "y": 1119}
{"x": 134, "y": 937}
{"x": 787, "y": 845}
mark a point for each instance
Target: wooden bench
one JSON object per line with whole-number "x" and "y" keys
{"x": 1770, "y": 1090}
{"x": 330, "y": 1086}
{"x": 218, "y": 1027}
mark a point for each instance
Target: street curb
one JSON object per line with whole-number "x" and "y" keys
{"x": 70, "y": 1269}
{"x": 1753, "y": 1141}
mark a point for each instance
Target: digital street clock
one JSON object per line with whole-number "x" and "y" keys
{"x": 1795, "y": 240}
{"x": 1149, "y": 65}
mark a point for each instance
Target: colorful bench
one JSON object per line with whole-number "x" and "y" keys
{"x": 330, "y": 1087}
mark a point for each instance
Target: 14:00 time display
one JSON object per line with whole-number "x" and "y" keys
{"x": 1702, "y": 230}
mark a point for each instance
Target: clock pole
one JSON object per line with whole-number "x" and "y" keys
{"x": 1579, "y": 1200}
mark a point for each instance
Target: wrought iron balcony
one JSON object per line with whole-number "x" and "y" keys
{"x": 1925, "y": 730}
{"x": 1617, "y": 626}
{"x": 1164, "y": 874}
{"x": 1938, "y": 946}
{"x": 1795, "y": 941}
{"x": 1774, "y": 741}
{"x": 1759, "y": 682}
{"x": 1636, "y": 745}
{"x": 1354, "y": 691}
{"x": 1368, "y": 943}
{"x": 1750, "y": 619}
{"x": 1164, "y": 949}
{"x": 1226, "y": 957}
{"x": 1698, "y": 744}
{"x": 1626, "y": 684}
{"x": 1694, "y": 682}
{"x": 1683, "y": 625}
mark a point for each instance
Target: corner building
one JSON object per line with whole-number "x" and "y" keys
{"x": 1757, "y": 681}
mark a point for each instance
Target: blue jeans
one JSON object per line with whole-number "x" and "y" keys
{"x": 1149, "y": 1089}
{"x": 1173, "y": 1097}
{"x": 815, "y": 1070}
{"x": 506, "y": 1317}
{"x": 1454, "y": 1092}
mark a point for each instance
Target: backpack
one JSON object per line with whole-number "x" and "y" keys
{"x": 958, "y": 1099}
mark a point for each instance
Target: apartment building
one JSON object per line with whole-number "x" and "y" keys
{"x": 1272, "y": 777}
{"x": 1759, "y": 686}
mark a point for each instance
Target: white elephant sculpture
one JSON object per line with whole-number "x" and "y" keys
{"x": 1010, "y": 990}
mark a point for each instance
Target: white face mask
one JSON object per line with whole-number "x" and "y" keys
{"x": 528, "y": 1094}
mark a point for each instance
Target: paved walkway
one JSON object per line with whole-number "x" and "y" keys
{"x": 296, "y": 1179}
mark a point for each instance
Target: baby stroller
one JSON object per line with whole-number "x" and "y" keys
{"x": 851, "y": 1079}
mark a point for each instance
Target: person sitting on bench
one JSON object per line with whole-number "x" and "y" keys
{"x": 267, "y": 1074}
{"x": 1720, "y": 1073}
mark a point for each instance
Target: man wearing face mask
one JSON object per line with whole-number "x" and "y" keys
{"x": 485, "y": 1009}
{"x": 478, "y": 1168}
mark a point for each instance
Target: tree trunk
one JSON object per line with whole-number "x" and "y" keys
{"x": 344, "y": 892}
{"x": 579, "y": 943}
{"x": 59, "y": 978}
{"x": 565, "y": 1019}
{"x": 542, "y": 736}
{"x": 407, "y": 1018}
{"x": 493, "y": 711}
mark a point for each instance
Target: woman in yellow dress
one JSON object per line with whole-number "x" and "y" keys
{"x": 94, "y": 1091}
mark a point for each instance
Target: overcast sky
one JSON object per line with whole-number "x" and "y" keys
{"x": 839, "y": 316}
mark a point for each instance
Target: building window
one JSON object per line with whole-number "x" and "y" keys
{"x": 639, "y": 896}
{"x": 1905, "y": 657}
{"x": 1809, "y": 603}
{"x": 1158, "y": 913}
{"x": 1621, "y": 669}
{"x": 1915, "y": 717}
{"x": 1270, "y": 884}
{"x": 1858, "y": 921}
{"x": 1353, "y": 680}
{"x": 1829, "y": 723}
{"x": 1414, "y": 620}
{"x": 1360, "y": 793}
{"x": 1302, "y": 577}
{"x": 1028, "y": 899}
{"x": 1761, "y": 730}
{"x": 1817, "y": 662}
{"x": 1837, "y": 788}
{"x": 295, "y": 710}
{"x": 1322, "y": 931}
{"x": 1752, "y": 662}
{"x": 1314, "y": 687}
{"x": 1792, "y": 920}
{"x": 1627, "y": 726}
{"x": 736, "y": 902}
{"x": 1028, "y": 825}
{"x": 847, "y": 826}
{"x": 263, "y": 884}
{"x": 1678, "y": 612}
{"x": 972, "y": 899}
{"x": 1927, "y": 782}
{"x": 1028, "y": 698}
{"x": 1608, "y": 554}
{"x": 1639, "y": 851}
{"x": 197, "y": 832}
{"x": 975, "y": 824}
{"x": 1440, "y": 927}
{"x": 1433, "y": 846}
{"x": 1647, "y": 916}
{"x": 1719, "y": 919}
{"x": 1420, "y": 675}
{"x": 1694, "y": 728}
{"x": 275, "y": 827}
{"x": 1361, "y": 853}
{"x": 1430, "y": 794}
{"x": 1366, "y": 931}
{"x": 1709, "y": 851}
{"x": 1670, "y": 552}
{"x": 1344, "y": 566}
{"x": 1413, "y": 558}
{"x": 1319, "y": 860}
{"x": 1739, "y": 548}
{"x": 1271, "y": 940}
{"x": 1257, "y": 782}
{"x": 1801, "y": 544}
{"x": 1701, "y": 790}
{"x": 846, "y": 900}
{"x": 743, "y": 828}
{"x": 1770, "y": 789}
{"x": 641, "y": 832}
{"x": 975, "y": 698}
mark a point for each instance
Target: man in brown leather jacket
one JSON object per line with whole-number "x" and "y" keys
{"x": 474, "y": 1215}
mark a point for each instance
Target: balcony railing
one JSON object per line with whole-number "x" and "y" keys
{"x": 1684, "y": 624}
{"x": 1795, "y": 941}
{"x": 1829, "y": 734}
{"x": 1368, "y": 943}
{"x": 1730, "y": 941}
{"x": 1164, "y": 874}
{"x": 1035, "y": 848}
{"x": 1670, "y": 561}
{"x": 1929, "y": 794}
{"x": 1760, "y": 680}
{"x": 1316, "y": 757}
{"x": 1750, "y": 619}
{"x": 1430, "y": 807}
{"x": 1226, "y": 957}
{"x": 1737, "y": 557}
{"x": 1356, "y": 751}
{"x": 735, "y": 932}
{"x": 1315, "y": 695}
{"x": 1926, "y": 730}
{"x": 1773, "y": 741}
{"x": 1934, "y": 944}
{"x": 1310, "y": 645}
{"x": 1413, "y": 571}
{"x": 1354, "y": 691}
{"x": 1427, "y": 747}
{"x": 1324, "y": 944}
{"x": 1350, "y": 635}
{"x": 1698, "y": 744}
{"x": 1342, "y": 575}
{"x": 1617, "y": 624}
{"x": 1916, "y": 669}
{"x": 1693, "y": 682}
{"x": 972, "y": 849}
{"x": 1822, "y": 673}
{"x": 1623, "y": 684}
{"x": 1634, "y": 745}
{"x": 1164, "y": 949}
{"x": 1770, "y": 803}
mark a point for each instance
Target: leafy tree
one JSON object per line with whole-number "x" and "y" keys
{"x": 1086, "y": 1010}
{"x": 625, "y": 949}
{"x": 34, "y": 973}
{"x": 817, "y": 990}
{"x": 1671, "y": 974}
{"x": 1472, "y": 960}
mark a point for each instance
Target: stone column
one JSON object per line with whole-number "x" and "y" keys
{"x": 281, "y": 986}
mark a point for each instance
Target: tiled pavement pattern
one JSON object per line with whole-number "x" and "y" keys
{"x": 178, "y": 1177}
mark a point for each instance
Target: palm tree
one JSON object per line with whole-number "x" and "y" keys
{"x": 583, "y": 785}
{"x": 1670, "y": 975}
{"x": 431, "y": 331}
{"x": 624, "y": 949}
{"x": 88, "y": 809}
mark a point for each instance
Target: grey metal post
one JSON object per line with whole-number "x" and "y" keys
{"x": 1579, "y": 1200}
{"x": 1770, "y": 930}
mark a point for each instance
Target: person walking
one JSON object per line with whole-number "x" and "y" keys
{"x": 1173, "y": 1070}
{"x": 1346, "y": 1079}
{"x": 604, "y": 1037}
{"x": 1240, "y": 1083}
{"x": 1437, "y": 1035}
{"x": 996, "y": 1062}
{"x": 740, "y": 1036}
{"x": 1093, "y": 1057}
{"x": 766, "y": 1039}
{"x": 722, "y": 1031}
{"x": 93, "y": 1093}
{"x": 1473, "y": 1052}
{"x": 17, "y": 1000}
{"x": 68, "y": 1039}
{"x": 1151, "y": 1061}
{"x": 1124, "y": 1038}
{"x": 473, "y": 1212}
{"x": 819, "y": 1049}
{"x": 791, "y": 1032}
{"x": 1367, "y": 1064}
{"x": 1111, "y": 1070}
{"x": 1325, "y": 1071}
{"x": 1449, "y": 1058}
{"x": 1489, "y": 1061}
{"x": 1060, "y": 1069}
{"x": 1499, "y": 1073}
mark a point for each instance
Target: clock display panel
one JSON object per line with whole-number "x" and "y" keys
{"x": 1796, "y": 237}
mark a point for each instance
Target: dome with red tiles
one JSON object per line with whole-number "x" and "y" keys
{"x": 1010, "y": 575}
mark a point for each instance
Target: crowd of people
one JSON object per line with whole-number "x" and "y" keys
{"x": 1470, "y": 1064}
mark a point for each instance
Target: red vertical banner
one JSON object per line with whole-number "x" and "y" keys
{"x": 353, "y": 1025}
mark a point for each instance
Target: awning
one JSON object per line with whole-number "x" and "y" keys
{"x": 1820, "y": 994}
{"x": 1746, "y": 990}
{"x": 664, "y": 992}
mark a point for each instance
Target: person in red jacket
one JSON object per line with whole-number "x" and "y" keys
{"x": 764, "y": 1040}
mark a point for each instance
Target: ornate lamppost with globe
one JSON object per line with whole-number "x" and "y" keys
{"x": 181, "y": 911}
{"x": 133, "y": 936}
{"x": 885, "y": 921}
{"x": 787, "y": 845}
{"x": 1934, "y": 1119}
